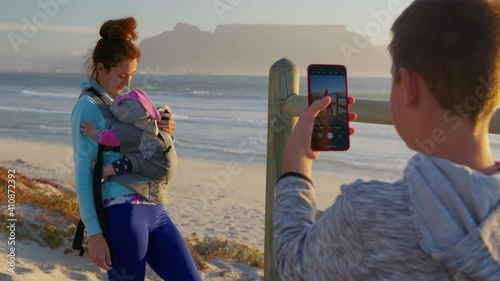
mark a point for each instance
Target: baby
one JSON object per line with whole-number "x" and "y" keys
{"x": 147, "y": 150}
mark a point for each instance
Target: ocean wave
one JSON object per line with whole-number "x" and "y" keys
{"x": 382, "y": 170}
{"x": 35, "y": 130}
{"x": 374, "y": 130}
{"x": 381, "y": 166}
{"x": 225, "y": 108}
{"x": 13, "y": 130}
{"x": 10, "y": 89}
{"x": 33, "y": 110}
{"x": 372, "y": 95}
{"x": 189, "y": 92}
{"x": 219, "y": 149}
{"x": 50, "y": 129}
{"x": 206, "y": 93}
{"x": 46, "y": 94}
{"x": 222, "y": 121}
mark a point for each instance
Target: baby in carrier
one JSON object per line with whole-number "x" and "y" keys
{"x": 147, "y": 150}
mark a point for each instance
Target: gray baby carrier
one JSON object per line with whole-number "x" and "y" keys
{"x": 150, "y": 175}
{"x": 150, "y": 150}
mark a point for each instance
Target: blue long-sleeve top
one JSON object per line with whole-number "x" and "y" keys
{"x": 85, "y": 151}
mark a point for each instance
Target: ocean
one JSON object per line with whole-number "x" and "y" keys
{"x": 218, "y": 118}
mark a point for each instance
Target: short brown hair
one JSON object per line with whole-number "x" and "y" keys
{"x": 452, "y": 45}
{"x": 115, "y": 45}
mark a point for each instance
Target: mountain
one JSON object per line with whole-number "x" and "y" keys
{"x": 241, "y": 49}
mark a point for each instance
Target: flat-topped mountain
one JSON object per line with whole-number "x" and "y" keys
{"x": 243, "y": 49}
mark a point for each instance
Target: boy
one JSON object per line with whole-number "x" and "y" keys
{"x": 441, "y": 221}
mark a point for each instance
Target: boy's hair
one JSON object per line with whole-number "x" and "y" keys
{"x": 454, "y": 45}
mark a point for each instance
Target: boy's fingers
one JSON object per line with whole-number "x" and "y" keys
{"x": 318, "y": 105}
{"x": 351, "y": 101}
{"x": 351, "y": 131}
{"x": 353, "y": 116}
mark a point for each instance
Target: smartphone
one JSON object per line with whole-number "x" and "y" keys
{"x": 331, "y": 126}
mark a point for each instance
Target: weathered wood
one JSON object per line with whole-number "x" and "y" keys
{"x": 283, "y": 82}
{"x": 369, "y": 111}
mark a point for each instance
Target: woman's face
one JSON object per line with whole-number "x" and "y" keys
{"x": 117, "y": 78}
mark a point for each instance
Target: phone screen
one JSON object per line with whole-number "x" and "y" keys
{"x": 331, "y": 127}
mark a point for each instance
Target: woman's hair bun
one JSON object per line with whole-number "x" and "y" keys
{"x": 120, "y": 29}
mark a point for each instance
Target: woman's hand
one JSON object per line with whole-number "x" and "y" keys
{"x": 298, "y": 153}
{"x": 99, "y": 252}
{"x": 167, "y": 123}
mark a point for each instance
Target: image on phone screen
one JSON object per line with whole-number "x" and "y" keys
{"x": 331, "y": 127}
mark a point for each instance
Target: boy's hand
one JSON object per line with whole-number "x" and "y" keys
{"x": 167, "y": 123}
{"x": 88, "y": 129}
{"x": 298, "y": 153}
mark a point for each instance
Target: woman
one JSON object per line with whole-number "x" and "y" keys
{"x": 139, "y": 231}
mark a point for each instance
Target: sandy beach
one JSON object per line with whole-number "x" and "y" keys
{"x": 211, "y": 199}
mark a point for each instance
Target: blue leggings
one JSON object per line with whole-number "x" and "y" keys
{"x": 141, "y": 233}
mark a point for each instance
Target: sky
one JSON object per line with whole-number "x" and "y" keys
{"x": 36, "y": 32}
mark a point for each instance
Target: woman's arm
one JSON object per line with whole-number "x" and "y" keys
{"x": 84, "y": 152}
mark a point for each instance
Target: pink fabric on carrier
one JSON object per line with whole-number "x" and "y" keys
{"x": 109, "y": 138}
{"x": 140, "y": 96}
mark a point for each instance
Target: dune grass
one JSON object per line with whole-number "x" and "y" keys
{"x": 47, "y": 212}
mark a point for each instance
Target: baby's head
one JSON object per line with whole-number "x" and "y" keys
{"x": 453, "y": 48}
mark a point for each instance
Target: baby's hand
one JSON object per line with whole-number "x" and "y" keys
{"x": 88, "y": 129}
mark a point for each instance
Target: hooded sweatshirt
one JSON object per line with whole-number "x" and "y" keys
{"x": 440, "y": 222}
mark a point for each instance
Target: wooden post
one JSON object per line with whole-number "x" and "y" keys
{"x": 283, "y": 82}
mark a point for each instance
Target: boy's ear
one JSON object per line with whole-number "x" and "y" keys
{"x": 411, "y": 87}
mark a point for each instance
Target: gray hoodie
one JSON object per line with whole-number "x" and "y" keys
{"x": 440, "y": 222}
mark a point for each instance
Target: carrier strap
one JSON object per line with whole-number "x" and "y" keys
{"x": 78, "y": 239}
{"x": 97, "y": 182}
{"x": 97, "y": 192}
